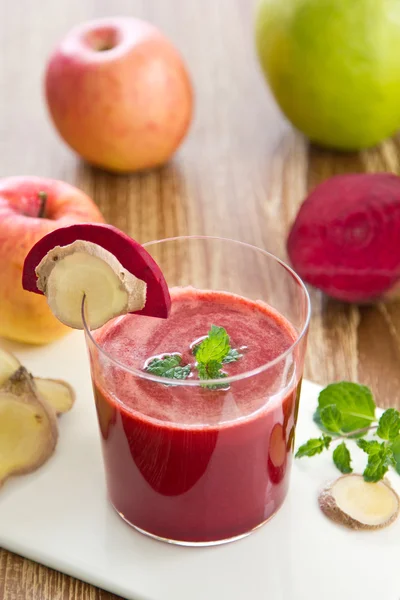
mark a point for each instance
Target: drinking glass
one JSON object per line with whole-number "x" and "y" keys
{"x": 213, "y": 475}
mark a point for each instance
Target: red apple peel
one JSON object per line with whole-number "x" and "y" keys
{"x": 31, "y": 207}
{"x": 115, "y": 246}
{"x": 346, "y": 237}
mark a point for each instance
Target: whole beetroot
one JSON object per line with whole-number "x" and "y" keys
{"x": 346, "y": 237}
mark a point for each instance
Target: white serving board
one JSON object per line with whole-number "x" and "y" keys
{"x": 59, "y": 516}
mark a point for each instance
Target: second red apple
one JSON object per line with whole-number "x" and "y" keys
{"x": 119, "y": 94}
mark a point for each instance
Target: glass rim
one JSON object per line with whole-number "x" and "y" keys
{"x": 227, "y": 380}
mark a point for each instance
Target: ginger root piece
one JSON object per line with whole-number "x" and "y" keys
{"x": 8, "y": 365}
{"x": 354, "y": 503}
{"x": 57, "y": 393}
{"x": 131, "y": 255}
{"x": 28, "y": 428}
{"x": 67, "y": 274}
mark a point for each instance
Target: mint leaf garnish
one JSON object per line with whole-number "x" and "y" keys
{"x": 168, "y": 366}
{"x": 232, "y": 356}
{"x": 355, "y": 403}
{"x": 341, "y": 458}
{"x": 212, "y": 370}
{"x": 389, "y": 424}
{"x": 331, "y": 419}
{"x": 347, "y": 410}
{"x": 314, "y": 446}
{"x": 380, "y": 458}
{"x": 395, "y": 447}
{"x": 212, "y": 353}
{"x": 369, "y": 446}
{"x": 214, "y": 347}
{"x": 195, "y": 348}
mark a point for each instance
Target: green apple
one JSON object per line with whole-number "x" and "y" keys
{"x": 334, "y": 67}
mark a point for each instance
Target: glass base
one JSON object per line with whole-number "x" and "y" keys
{"x": 194, "y": 544}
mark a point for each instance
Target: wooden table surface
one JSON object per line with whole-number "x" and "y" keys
{"x": 242, "y": 173}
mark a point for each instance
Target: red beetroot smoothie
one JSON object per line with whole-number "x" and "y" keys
{"x": 189, "y": 463}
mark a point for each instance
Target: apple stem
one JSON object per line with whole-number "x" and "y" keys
{"x": 42, "y": 209}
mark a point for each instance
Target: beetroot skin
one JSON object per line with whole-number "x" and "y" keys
{"x": 346, "y": 237}
{"x": 132, "y": 255}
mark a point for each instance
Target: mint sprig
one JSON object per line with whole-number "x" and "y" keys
{"x": 211, "y": 354}
{"x": 214, "y": 351}
{"x": 211, "y": 370}
{"x": 354, "y": 402}
{"x": 395, "y": 447}
{"x": 342, "y": 459}
{"x": 168, "y": 366}
{"x": 232, "y": 356}
{"x": 380, "y": 458}
{"x": 214, "y": 347}
{"x": 389, "y": 424}
{"x": 314, "y": 446}
{"x": 347, "y": 410}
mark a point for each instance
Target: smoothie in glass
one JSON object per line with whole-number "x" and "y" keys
{"x": 186, "y": 462}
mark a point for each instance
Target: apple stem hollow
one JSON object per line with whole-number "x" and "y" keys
{"x": 102, "y": 39}
{"x": 42, "y": 208}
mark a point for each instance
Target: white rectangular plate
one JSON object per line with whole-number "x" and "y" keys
{"x": 59, "y": 516}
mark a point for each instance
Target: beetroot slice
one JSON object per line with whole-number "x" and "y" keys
{"x": 130, "y": 254}
{"x": 346, "y": 237}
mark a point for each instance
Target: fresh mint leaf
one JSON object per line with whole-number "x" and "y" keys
{"x": 342, "y": 459}
{"x": 195, "y": 348}
{"x": 168, "y": 366}
{"x": 331, "y": 419}
{"x": 380, "y": 458}
{"x": 214, "y": 347}
{"x": 378, "y": 465}
{"x": 389, "y": 424}
{"x": 314, "y": 446}
{"x": 210, "y": 354}
{"x": 369, "y": 446}
{"x": 355, "y": 403}
{"x": 232, "y": 356}
{"x": 395, "y": 448}
{"x": 180, "y": 372}
{"x": 212, "y": 370}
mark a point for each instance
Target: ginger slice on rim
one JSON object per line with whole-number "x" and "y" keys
{"x": 28, "y": 428}
{"x": 68, "y": 273}
{"x": 8, "y": 365}
{"x": 57, "y": 393}
{"x": 357, "y": 504}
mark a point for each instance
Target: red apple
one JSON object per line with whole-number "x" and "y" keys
{"x": 31, "y": 207}
{"x": 119, "y": 94}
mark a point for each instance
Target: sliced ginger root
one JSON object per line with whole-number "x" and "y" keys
{"x": 8, "y": 365}
{"x": 28, "y": 427}
{"x": 354, "y": 503}
{"x": 58, "y": 394}
{"x": 69, "y": 273}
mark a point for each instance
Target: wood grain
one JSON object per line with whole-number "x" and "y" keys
{"x": 242, "y": 173}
